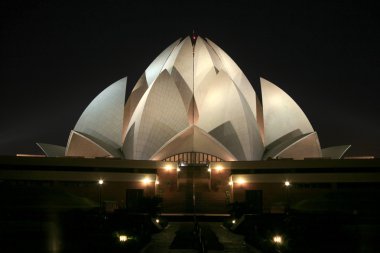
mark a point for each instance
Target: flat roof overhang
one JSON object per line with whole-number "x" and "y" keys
{"x": 91, "y": 169}
{"x": 307, "y": 178}
{"x": 300, "y": 164}
{"x": 77, "y": 169}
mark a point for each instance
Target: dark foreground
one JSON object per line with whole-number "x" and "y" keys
{"x": 91, "y": 231}
{"x": 75, "y": 231}
{"x": 310, "y": 232}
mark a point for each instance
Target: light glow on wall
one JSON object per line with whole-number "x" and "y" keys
{"x": 219, "y": 168}
{"x": 146, "y": 180}
{"x": 241, "y": 181}
{"x": 168, "y": 167}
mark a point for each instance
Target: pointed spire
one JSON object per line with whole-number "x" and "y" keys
{"x": 194, "y": 37}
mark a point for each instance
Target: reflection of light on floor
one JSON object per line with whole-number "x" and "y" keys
{"x": 54, "y": 235}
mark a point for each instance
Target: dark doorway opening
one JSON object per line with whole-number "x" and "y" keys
{"x": 133, "y": 199}
{"x": 254, "y": 200}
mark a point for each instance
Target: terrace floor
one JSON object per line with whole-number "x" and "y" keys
{"x": 177, "y": 238}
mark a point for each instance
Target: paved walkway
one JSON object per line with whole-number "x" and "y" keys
{"x": 232, "y": 242}
{"x": 161, "y": 242}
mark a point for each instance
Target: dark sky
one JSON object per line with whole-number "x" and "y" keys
{"x": 56, "y": 56}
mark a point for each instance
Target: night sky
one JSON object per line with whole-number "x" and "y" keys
{"x": 56, "y": 56}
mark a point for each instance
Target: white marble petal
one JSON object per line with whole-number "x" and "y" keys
{"x": 82, "y": 145}
{"x": 103, "y": 117}
{"x": 193, "y": 139}
{"x": 235, "y": 73}
{"x": 159, "y": 117}
{"x": 281, "y": 114}
{"x": 336, "y": 152}
{"x": 226, "y": 116}
{"x": 51, "y": 150}
{"x": 306, "y": 147}
{"x": 157, "y": 65}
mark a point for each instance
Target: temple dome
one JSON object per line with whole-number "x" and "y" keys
{"x": 193, "y": 98}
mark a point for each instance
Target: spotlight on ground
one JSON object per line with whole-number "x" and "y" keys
{"x": 123, "y": 238}
{"x": 277, "y": 239}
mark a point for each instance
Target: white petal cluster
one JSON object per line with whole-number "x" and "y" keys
{"x": 194, "y": 98}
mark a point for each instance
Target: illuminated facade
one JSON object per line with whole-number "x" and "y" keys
{"x": 193, "y": 132}
{"x": 193, "y": 104}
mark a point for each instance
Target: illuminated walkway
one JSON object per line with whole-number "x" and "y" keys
{"x": 231, "y": 242}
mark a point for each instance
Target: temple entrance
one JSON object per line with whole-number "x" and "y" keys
{"x": 197, "y": 190}
{"x": 194, "y": 181}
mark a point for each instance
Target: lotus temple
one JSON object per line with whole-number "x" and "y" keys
{"x": 194, "y": 132}
{"x": 193, "y": 104}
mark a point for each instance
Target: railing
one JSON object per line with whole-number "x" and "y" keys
{"x": 193, "y": 158}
